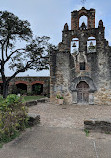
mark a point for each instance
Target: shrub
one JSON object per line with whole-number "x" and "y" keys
{"x": 14, "y": 90}
{"x": 37, "y": 89}
{"x": 13, "y": 117}
{"x": 59, "y": 97}
{"x": 29, "y": 93}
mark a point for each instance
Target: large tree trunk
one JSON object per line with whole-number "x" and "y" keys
{"x": 5, "y": 89}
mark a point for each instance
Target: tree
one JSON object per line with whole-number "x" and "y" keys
{"x": 32, "y": 56}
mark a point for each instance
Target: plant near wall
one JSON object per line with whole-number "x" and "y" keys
{"x": 87, "y": 132}
{"x": 37, "y": 89}
{"x": 59, "y": 97}
{"x": 13, "y": 117}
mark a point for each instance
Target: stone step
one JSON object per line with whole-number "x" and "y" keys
{"x": 31, "y": 103}
{"x": 33, "y": 119}
{"x": 99, "y": 125}
{"x": 34, "y": 102}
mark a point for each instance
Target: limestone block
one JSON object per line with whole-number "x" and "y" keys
{"x": 74, "y": 97}
{"x": 101, "y": 125}
{"x": 33, "y": 119}
{"x": 91, "y": 98}
{"x": 31, "y": 103}
{"x": 43, "y": 100}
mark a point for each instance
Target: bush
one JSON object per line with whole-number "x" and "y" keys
{"x": 13, "y": 117}
{"x": 14, "y": 90}
{"x": 59, "y": 97}
{"x": 37, "y": 89}
{"x": 18, "y": 91}
{"x": 29, "y": 93}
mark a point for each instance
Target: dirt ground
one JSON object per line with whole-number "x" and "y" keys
{"x": 72, "y": 116}
{"x": 61, "y": 134}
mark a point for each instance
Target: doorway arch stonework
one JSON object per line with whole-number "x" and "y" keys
{"x": 90, "y": 89}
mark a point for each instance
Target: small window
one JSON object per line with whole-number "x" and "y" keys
{"x": 82, "y": 66}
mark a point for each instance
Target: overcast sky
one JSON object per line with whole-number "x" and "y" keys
{"x": 47, "y": 17}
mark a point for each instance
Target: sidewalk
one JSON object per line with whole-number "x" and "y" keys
{"x": 61, "y": 135}
{"x": 56, "y": 142}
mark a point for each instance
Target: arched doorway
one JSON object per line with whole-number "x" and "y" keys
{"x": 37, "y": 88}
{"x": 21, "y": 88}
{"x": 82, "y": 92}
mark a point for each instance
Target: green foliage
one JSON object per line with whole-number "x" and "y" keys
{"x": 59, "y": 97}
{"x": 30, "y": 98}
{"x": 37, "y": 89}
{"x": 29, "y": 93}
{"x": 13, "y": 117}
{"x": 33, "y": 55}
{"x": 87, "y": 132}
{"x": 16, "y": 90}
{"x": 21, "y": 91}
{"x": 1, "y": 145}
{"x": 12, "y": 27}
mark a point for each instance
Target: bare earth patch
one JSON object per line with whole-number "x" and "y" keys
{"x": 71, "y": 116}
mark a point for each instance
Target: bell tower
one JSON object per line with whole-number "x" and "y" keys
{"x": 75, "y": 16}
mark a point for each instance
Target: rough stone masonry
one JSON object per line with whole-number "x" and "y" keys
{"x": 82, "y": 76}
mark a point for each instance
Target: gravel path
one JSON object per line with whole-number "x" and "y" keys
{"x": 71, "y": 116}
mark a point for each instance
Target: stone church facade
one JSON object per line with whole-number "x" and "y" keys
{"x": 82, "y": 75}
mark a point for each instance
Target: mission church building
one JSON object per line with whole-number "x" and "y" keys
{"x": 81, "y": 69}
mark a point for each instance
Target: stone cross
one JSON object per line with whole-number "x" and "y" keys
{"x": 83, "y": 2}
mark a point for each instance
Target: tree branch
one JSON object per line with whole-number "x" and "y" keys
{"x": 2, "y": 52}
{"x": 7, "y": 45}
{"x": 8, "y": 57}
{"x": 21, "y": 70}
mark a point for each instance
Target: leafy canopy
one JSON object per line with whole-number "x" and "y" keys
{"x": 32, "y": 56}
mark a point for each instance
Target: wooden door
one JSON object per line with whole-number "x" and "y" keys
{"x": 82, "y": 92}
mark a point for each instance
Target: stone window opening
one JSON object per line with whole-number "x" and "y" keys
{"x": 74, "y": 46}
{"x": 21, "y": 88}
{"x": 82, "y": 66}
{"x": 91, "y": 45}
{"x": 83, "y": 22}
{"x": 37, "y": 89}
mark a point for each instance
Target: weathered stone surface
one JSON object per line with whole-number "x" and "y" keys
{"x": 43, "y": 100}
{"x": 33, "y": 119}
{"x": 101, "y": 125}
{"x": 34, "y": 102}
{"x": 75, "y": 20}
{"x": 31, "y": 103}
{"x": 65, "y": 66}
{"x": 29, "y": 81}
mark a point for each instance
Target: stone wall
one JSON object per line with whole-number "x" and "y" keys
{"x": 29, "y": 81}
{"x": 60, "y": 81}
{"x": 75, "y": 15}
{"x": 98, "y": 125}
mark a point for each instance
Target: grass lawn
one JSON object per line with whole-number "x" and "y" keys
{"x": 30, "y": 98}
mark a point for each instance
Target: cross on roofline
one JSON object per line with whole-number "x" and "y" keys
{"x": 83, "y": 2}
